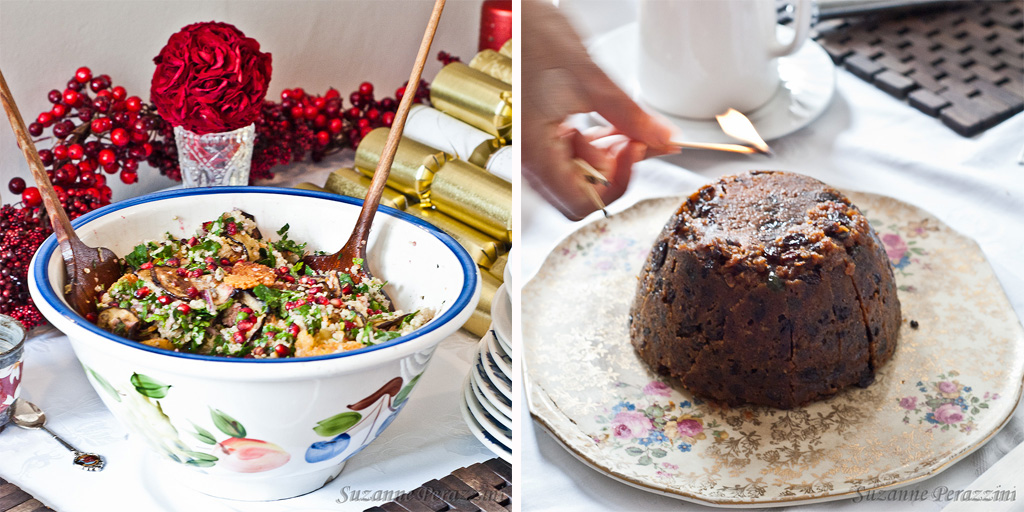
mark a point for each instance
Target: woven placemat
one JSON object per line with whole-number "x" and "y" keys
{"x": 483, "y": 486}
{"x": 963, "y": 64}
{"x": 13, "y": 499}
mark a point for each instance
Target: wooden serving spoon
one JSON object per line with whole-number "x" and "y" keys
{"x": 90, "y": 270}
{"x": 355, "y": 247}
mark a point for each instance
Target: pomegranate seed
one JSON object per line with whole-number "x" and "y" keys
{"x": 293, "y": 329}
{"x": 192, "y": 292}
{"x": 321, "y": 300}
{"x": 184, "y": 308}
{"x": 146, "y": 266}
{"x": 91, "y": 317}
{"x": 225, "y": 261}
{"x": 164, "y": 299}
{"x": 347, "y": 289}
{"x": 281, "y": 350}
{"x": 349, "y": 325}
{"x": 232, "y": 228}
{"x": 182, "y": 272}
{"x": 173, "y": 262}
{"x": 282, "y": 270}
{"x": 289, "y": 279}
{"x": 195, "y": 273}
{"x": 209, "y": 259}
{"x": 335, "y": 302}
{"x": 143, "y": 292}
{"x": 211, "y": 267}
{"x": 239, "y": 337}
{"x": 247, "y": 311}
{"x": 245, "y": 325}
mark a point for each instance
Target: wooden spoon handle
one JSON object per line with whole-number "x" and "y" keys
{"x": 380, "y": 176}
{"x": 58, "y": 217}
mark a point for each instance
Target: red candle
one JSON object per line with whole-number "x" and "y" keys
{"x": 495, "y": 24}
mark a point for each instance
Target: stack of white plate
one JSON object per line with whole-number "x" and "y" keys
{"x": 487, "y": 393}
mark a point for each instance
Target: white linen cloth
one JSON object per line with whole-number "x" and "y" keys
{"x": 427, "y": 441}
{"x": 866, "y": 140}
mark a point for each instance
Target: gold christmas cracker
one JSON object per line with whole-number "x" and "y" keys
{"x": 436, "y": 129}
{"x": 474, "y": 97}
{"x": 457, "y": 188}
{"x": 414, "y": 165}
{"x": 483, "y": 249}
{"x": 480, "y": 322}
{"x": 475, "y": 197}
{"x": 497, "y": 269}
{"x": 506, "y": 49}
{"x": 348, "y": 182}
{"x": 309, "y": 186}
{"x": 493, "y": 64}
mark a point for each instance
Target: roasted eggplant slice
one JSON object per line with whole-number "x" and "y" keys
{"x": 395, "y": 322}
{"x": 168, "y": 279}
{"x": 251, "y": 246}
{"x": 252, "y": 302}
{"x": 233, "y": 250}
{"x": 119, "y": 321}
{"x": 255, "y": 231}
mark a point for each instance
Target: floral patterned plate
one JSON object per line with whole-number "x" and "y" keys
{"x": 953, "y": 382}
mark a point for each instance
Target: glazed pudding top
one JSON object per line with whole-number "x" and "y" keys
{"x": 765, "y": 222}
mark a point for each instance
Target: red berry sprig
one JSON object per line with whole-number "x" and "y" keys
{"x": 95, "y": 127}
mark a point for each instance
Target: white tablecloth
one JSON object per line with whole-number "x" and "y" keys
{"x": 428, "y": 440}
{"x": 866, "y": 140}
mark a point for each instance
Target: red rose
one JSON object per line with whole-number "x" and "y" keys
{"x": 210, "y": 78}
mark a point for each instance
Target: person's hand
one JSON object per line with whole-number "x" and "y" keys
{"x": 559, "y": 79}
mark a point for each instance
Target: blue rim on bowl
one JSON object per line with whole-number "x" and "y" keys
{"x": 45, "y": 252}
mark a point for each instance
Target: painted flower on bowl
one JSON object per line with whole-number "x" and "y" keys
{"x": 631, "y": 424}
{"x": 250, "y": 455}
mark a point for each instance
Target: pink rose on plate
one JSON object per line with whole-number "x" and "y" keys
{"x": 895, "y": 247}
{"x": 948, "y": 387}
{"x": 689, "y": 428}
{"x": 657, "y": 387}
{"x": 627, "y": 424}
{"x": 949, "y": 414}
{"x": 909, "y": 403}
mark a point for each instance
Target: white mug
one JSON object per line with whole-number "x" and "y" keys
{"x": 699, "y": 58}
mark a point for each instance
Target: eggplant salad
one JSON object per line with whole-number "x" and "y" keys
{"x": 229, "y": 292}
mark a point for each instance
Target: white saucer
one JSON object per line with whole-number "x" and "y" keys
{"x": 487, "y": 404}
{"x": 501, "y": 316}
{"x": 492, "y": 426}
{"x": 808, "y": 81}
{"x": 491, "y": 393}
{"x": 488, "y": 440}
{"x": 501, "y": 358}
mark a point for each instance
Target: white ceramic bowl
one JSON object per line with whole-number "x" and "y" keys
{"x": 263, "y": 429}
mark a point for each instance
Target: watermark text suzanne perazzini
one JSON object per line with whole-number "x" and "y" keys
{"x": 384, "y": 495}
{"x": 940, "y": 493}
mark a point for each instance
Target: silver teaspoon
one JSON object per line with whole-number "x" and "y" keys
{"x": 26, "y": 415}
